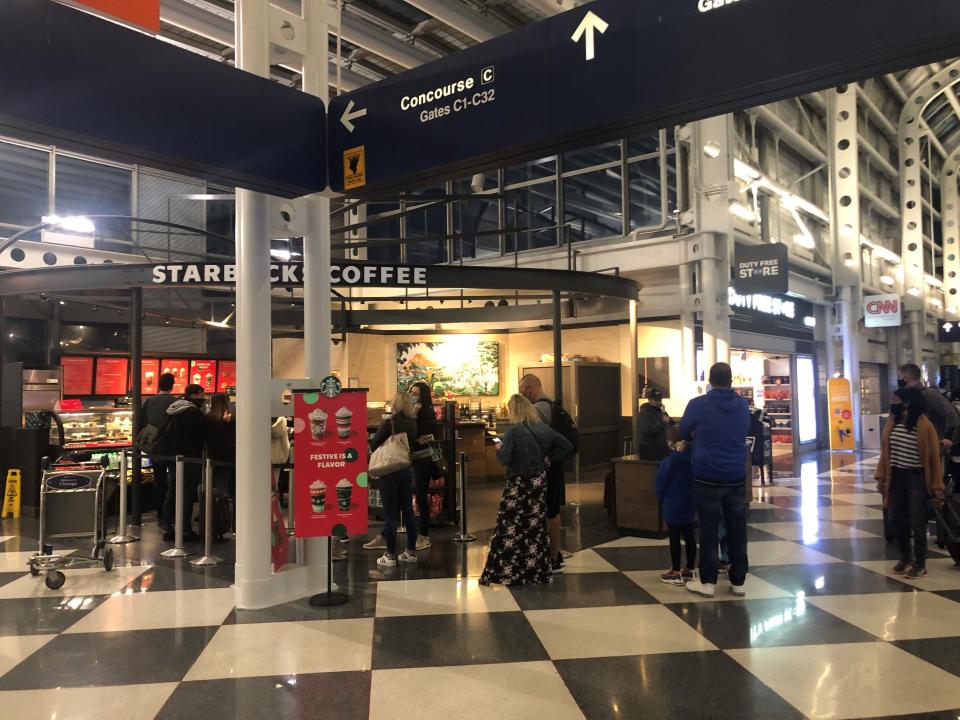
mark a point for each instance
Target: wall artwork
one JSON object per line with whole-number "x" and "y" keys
{"x": 460, "y": 366}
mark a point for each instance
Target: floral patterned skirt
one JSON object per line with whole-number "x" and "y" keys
{"x": 520, "y": 546}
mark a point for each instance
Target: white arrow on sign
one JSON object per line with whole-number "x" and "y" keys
{"x": 349, "y": 116}
{"x": 590, "y": 23}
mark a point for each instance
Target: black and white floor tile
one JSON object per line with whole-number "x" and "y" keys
{"x": 825, "y": 631}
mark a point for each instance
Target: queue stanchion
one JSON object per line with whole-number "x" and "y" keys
{"x": 177, "y": 550}
{"x": 121, "y": 538}
{"x": 208, "y": 558}
{"x": 463, "y": 536}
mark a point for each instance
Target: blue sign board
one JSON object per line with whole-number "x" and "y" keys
{"x": 616, "y": 65}
{"x": 81, "y": 83}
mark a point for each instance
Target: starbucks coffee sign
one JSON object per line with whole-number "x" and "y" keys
{"x": 291, "y": 274}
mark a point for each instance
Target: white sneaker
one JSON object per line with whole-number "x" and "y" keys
{"x": 407, "y": 557}
{"x": 387, "y": 560}
{"x": 378, "y": 543}
{"x": 702, "y": 589}
{"x": 739, "y": 590}
{"x": 423, "y": 543}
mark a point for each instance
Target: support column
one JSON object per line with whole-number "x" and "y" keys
{"x": 950, "y": 219}
{"x": 634, "y": 376}
{"x": 843, "y": 155}
{"x": 688, "y": 337}
{"x": 136, "y": 375}
{"x": 557, "y": 348}
{"x": 713, "y": 142}
{"x": 253, "y": 563}
{"x": 317, "y": 323}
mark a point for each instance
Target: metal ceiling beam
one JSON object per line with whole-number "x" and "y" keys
{"x": 383, "y": 44}
{"x": 891, "y": 80}
{"x": 548, "y": 8}
{"x": 461, "y": 18}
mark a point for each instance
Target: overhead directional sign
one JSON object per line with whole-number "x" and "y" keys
{"x": 70, "y": 79}
{"x": 591, "y": 23}
{"x": 613, "y": 66}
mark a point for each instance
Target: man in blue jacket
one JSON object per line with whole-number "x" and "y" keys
{"x": 717, "y": 423}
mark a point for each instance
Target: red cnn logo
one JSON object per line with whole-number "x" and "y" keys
{"x": 883, "y": 307}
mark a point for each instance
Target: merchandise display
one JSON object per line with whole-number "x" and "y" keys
{"x": 98, "y": 428}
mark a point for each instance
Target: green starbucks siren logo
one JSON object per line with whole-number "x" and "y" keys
{"x": 331, "y": 386}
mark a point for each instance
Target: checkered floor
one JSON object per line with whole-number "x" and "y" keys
{"x": 824, "y": 632}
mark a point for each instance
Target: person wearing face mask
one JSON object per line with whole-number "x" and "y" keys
{"x": 909, "y": 472}
{"x": 187, "y": 437}
{"x": 422, "y": 458}
{"x": 941, "y": 413}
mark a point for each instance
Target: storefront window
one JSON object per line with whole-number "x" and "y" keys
{"x": 23, "y": 185}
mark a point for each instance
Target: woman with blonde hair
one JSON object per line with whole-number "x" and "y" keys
{"x": 520, "y": 546}
{"x": 395, "y": 489}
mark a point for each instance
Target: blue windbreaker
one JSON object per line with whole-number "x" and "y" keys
{"x": 717, "y": 423}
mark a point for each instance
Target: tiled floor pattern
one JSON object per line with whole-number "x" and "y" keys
{"x": 825, "y": 631}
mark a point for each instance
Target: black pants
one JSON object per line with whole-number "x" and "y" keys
{"x": 908, "y": 508}
{"x": 422, "y": 474}
{"x": 162, "y": 479}
{"x": 192, "y": 474}
{"x": 397, "y": 498}
{"x": 716, "y": 502}
{"x": 686, "y": 531}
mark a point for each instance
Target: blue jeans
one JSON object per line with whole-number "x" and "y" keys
{"x": 397, "y": 496}
{"x": 726, "y": 503}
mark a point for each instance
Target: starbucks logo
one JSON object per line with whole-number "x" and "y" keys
{"x": 331, "y": 386}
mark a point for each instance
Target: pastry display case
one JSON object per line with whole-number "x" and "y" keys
{"x": 98, "y": 428}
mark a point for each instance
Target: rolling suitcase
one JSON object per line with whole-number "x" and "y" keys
{"x": 221, "y": 514}
{"x": 948, "y": 521}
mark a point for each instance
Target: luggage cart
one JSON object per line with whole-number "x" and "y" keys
{"x": 71, "y": 478}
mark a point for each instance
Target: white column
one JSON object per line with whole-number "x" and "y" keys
{"x": 253, "y": 563}
{"x": 317, "y": 328}
{"x": 688, "y": 336}
{"x": 843, "y": 155}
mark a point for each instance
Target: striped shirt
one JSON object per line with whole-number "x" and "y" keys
{"x": 903, "y": 447}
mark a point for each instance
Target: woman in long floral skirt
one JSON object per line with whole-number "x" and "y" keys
{"x": 520, "y": 547}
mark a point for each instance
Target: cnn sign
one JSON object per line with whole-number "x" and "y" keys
{"x": 882, "y": 310}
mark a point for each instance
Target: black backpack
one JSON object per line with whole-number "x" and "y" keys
{"x": 561, "y": 421}
{"x": 153, "y": 440}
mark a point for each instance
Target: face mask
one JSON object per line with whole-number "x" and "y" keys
{"x": 415, "y": 399}
{"x": 901, "y": 383}
{"x": 896, "y": 411}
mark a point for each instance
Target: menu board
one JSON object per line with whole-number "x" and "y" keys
{"x": 204, "y": 373}
{"x": 227, "y": 377}
{"x": 178, "y": 368}
{"x": 112, "y": 375}
{"x": 77, "y": 375}
{"x": 149, "y": 376}
{"x": 330, "y": 463}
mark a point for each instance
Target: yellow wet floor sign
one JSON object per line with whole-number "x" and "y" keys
{"x": 11, "y": 495}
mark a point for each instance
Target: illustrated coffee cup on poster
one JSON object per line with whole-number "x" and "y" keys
{"x": 344, "y": 494}
{"x": 344, "y": 421}
{"x": 318, "y": 423}
{"x": 318, "y": 495}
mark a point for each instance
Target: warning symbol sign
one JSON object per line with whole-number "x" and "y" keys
{"x": 354, "y": 168}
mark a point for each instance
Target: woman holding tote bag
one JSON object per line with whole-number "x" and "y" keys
{"x": 391, "y": 457}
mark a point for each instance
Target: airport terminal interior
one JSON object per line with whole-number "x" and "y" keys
{"x": 479, "y": 359}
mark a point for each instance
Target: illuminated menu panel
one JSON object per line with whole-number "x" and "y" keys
{"x": 178, "y": 368}
{"x": 204, "y": 373}
{"x": 77, "y": 375}
{"x": 227, "y": 376}
{"x": 111, "y": 377}
{"x": 149, "y": 377}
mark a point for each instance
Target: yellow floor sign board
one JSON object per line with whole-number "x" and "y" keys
{"x": 11, "y": 495}
{"x": 354, "y": 168}
{"x": 840, "y": 407}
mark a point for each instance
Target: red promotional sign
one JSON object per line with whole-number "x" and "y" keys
{"x": 77, "y": 375}
{"x": 144, "y": 13}
{"x": 204, "y": 373}
{"x": 227, "y": 377}
{"x": 149, "y": 376}
{"x": 330, "y": 463}
{"x": 111, "y": 376}
{"x": 177, "y": 368}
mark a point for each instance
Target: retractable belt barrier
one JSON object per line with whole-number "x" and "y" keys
{"x": 463, "y": 536}
{"x": 123, "y": 537}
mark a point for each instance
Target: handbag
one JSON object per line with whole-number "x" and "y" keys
{"x": 436, "y": 454}
{"x": 392, "y": 456}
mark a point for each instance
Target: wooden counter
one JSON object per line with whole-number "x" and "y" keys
{"x": 638, "y": 512}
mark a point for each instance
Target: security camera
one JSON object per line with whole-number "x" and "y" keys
{"x": 288, "y": 212}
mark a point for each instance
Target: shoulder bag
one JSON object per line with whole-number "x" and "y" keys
{"x": 392, "y": 456}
